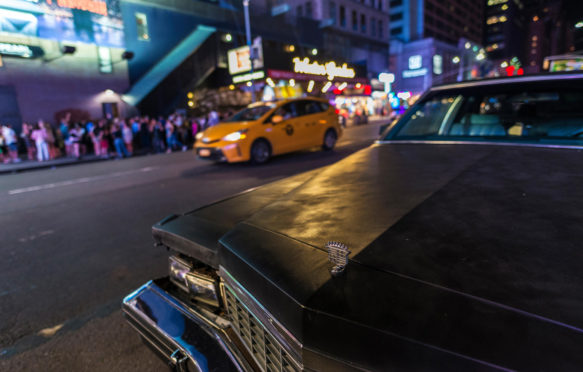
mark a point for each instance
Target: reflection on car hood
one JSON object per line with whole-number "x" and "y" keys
{"x": 220, "y": 130}
{"x": 472, "y": 252}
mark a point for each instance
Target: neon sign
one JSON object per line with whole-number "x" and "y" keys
{"x": 248, "y": 77}
{"x": 18, "y": 50}
{"x": 329, "y": 69}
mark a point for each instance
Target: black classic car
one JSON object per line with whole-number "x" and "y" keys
{"x": 455, "y": 242}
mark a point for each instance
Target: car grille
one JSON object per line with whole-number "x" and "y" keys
{"x": 266, "y": 350}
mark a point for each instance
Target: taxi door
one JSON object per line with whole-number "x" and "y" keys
{"x": 283, "y": 136}
{"x": 312, "y": 123}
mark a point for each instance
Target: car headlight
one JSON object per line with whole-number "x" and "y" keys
{"x": 235, "y": 136}
{"x": 199, "y": 135}
{"x": 200, "y": 286}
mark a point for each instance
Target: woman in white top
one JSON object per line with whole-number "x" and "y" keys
{"x": 40, "y": 139}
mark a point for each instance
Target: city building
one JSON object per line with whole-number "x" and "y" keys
{"x": 61, "y": 57}
{"x": 549, "y": 34}
{"x": 446, "y": 21}
{"x": 505, "y": 30}
{"x": 434, "y": 42}
{"x": 356, "y": 31}
{"x": 203, "y": 61}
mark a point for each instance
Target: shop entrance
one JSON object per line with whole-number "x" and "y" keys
{"x": 9, "y": 111}
{"x": 110, "y": 110}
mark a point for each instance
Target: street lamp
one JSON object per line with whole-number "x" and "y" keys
{"x": 251, "y": 54}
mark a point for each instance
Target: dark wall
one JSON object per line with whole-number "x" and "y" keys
{"x": 166, "y": 29}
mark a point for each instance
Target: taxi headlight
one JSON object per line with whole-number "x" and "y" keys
{"x": 201, "y": 287}
{"x": 199, "y": 135}
{"x": 235, "y": 136}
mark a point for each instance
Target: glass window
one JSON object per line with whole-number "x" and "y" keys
{"x": 309, "y": 9}
{"x": 250, "y": 113}
{"x": 299, "y": 11}
{"x": 425, "y": 119}
{"x": 539, "y": 116}
{"x": 395, "y": 3}
{"x": 287, "y": 111}
{"x": 332, "y": 11}
{"x": 354, "y": 21}
{"x": 342, "y": 16}
{"x": 142, "y": 26}
{"x": 380, "y": 28}
{"x": 373, "y": 27}
{"x": 396, "y": 16}
{"x": 310, "y": 107}
{"x": 380, "y": 4}
{"x": 396, "y": 31}
{"x": 104, "y": 60}
{"x": 363, "y": 23}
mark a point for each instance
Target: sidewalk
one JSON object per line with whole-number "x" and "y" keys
{"x": 27, "y": 165}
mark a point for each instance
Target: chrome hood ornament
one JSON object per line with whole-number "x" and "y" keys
{"x": 338, "y": 255}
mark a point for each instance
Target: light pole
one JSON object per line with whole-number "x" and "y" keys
{"x": 251, "y": 54}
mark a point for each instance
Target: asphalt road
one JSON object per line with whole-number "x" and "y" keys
{"x": 75, "y": 240}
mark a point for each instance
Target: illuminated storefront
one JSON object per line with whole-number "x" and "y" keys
{"x": 61, "y": 56}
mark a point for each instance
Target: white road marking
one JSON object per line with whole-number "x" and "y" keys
{"x": 77, "y": 181}
{"x": 48, "y": 332}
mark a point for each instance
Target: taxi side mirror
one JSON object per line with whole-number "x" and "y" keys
{"x": 276, "y": 119}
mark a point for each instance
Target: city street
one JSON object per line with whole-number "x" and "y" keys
{"x": 75, "y": 240}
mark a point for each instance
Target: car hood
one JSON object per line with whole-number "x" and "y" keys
{"x": 465, "y": 255}
{"x": 219, "y": 131}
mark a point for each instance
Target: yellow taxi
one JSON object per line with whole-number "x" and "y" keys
{"x": 265, "y": 129}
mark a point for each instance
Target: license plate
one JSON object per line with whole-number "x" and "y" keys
{"x": 204, "y": 152}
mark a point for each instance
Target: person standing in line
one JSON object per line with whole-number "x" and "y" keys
{"x": 128, "y": 137}
{"x": 11, "y": 142}
{"x": 95, "y": 135}
{"x": 39, "y": 135}
{"x": 2, "y": 148}
{"x": 118, "y": 142}
{"x": 28, "y": 143}
{"x": 157, "y": 135}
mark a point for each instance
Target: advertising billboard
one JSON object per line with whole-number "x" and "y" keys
{"x": 87, "y": 21}
{"x": 240, "y": 59}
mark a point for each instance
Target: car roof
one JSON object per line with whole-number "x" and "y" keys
{"x": 512, "y": 80}
{"x": 310, "y": 98}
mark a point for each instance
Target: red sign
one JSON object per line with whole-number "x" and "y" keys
{"x": 93, "y": 6}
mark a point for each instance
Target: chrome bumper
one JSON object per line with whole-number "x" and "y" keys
{"x": 182, "y": 336}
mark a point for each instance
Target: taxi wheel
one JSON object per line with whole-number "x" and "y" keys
{"x": 329, "y": 140}
{"x": 260, "y": 152}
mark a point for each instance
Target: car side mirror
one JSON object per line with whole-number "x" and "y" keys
{"x": 276, "y": 119}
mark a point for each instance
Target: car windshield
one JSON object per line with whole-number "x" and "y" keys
{"x": 549, "y": 116}
{"x": 250, "y": 113}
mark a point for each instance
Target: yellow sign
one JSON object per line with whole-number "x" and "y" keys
{"x": 330, "y": 69}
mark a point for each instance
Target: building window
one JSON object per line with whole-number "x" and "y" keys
{"x": 380, "y": 4}
{"x": 396, "y": 17}
{"x": 299, "y": 11}
{"x": 354, "y": 21}
{"x": 142, "y": 26}
{"x": 380, "y": 24}
{"x": 362, "y": 23}
{"x": 332, "y": 10}
{"x": 373, "y": 27}
{"x": 342, "y": 16}
{"x": 309, "y": 9}
{"x": 396, "y": 31}
{"x": 104, "y": 60}
{"x": 395, "y": 3}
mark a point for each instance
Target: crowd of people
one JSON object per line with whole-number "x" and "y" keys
{"x": 105, "y": 138}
